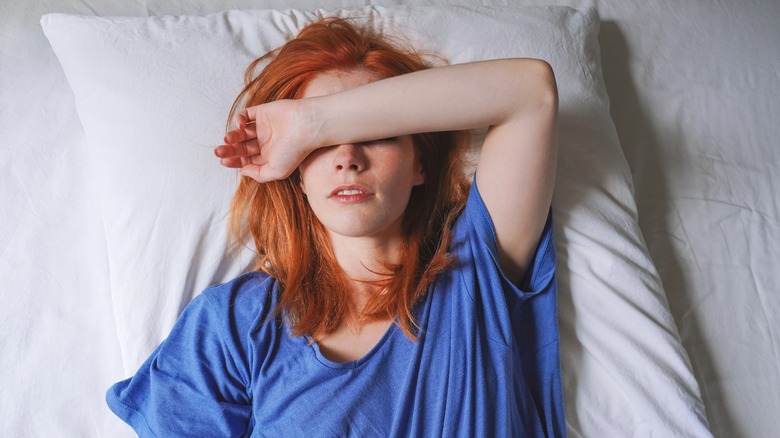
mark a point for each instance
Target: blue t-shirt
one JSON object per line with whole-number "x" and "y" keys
{"x": 486, "y": 363}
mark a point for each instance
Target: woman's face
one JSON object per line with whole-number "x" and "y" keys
{"x": 360, "y": 189}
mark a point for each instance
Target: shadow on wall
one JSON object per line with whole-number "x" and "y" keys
{"x": 643, "y": 154}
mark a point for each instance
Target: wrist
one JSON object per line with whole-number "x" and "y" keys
{"x": 311, "y": 123}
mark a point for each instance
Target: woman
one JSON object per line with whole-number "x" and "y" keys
{"x": 390, "y": 300}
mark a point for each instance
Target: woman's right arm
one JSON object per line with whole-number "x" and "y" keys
{"x": 515, "y": 98}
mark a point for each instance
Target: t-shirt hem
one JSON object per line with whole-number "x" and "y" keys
{"x": 132, "y": 417}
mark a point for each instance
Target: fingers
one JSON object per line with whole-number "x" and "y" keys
{"x": 235, "y": 162}
{"x": 241, "y": 118}
{"x": 239, "y": 143}
{"x": 243, "y": 149}
{"x": 247, "y": 132}
{"x": 245, "y": 117}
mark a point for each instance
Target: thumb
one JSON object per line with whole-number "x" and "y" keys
{"x": 260, "y": 173}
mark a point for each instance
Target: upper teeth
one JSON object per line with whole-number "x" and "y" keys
{"x": 349, "y": 192}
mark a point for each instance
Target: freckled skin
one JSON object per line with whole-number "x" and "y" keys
{"x": 386, "y": 169}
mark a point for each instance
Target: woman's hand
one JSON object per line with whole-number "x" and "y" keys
{"x": 269, "y": 143}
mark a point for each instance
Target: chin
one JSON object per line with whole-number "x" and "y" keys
{"x": 362, "y": 228}
{"x": 353, "y": 231}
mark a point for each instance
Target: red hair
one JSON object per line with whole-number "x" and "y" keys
{"x": 292, "y": 244}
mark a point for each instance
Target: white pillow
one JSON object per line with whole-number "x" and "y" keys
{"x": 153, "y": 96}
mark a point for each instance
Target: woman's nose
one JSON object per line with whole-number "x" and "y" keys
{"x": 349, "y": 156}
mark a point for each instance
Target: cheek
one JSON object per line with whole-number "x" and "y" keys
{"x": 409, "y": 171}
{"x": 401, "y": 178}
{"x": 411, "y": 154}
{"x": 307, "y": 172}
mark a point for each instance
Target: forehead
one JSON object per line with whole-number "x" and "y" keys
{"x": 333, "y": 81}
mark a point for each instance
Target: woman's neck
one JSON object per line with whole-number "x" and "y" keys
{"x": 366, "y": 258}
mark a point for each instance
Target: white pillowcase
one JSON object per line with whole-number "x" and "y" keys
{"x": 153, "y": 95}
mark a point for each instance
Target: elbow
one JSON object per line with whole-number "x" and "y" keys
{"x": 546, "y": 89}
{"x": 535, "y": 82}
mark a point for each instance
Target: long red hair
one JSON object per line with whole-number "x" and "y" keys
{"x": 292, "y": 244}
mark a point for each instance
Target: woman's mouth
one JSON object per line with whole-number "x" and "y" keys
{"x": 350, "y": 194}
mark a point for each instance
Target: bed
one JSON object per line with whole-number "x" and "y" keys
{"x": 667, "y": 212}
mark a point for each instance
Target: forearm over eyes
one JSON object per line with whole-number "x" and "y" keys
{"x": 516, "y": 98}
{"x": 463, "y": 96}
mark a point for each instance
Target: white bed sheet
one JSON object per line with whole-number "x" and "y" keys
{"x": 695, "y": 100}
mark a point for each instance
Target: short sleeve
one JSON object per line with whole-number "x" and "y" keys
{"x": 192, "y": 385}
{"x": 519, "y": 316}
{"x": 540, "y": 272}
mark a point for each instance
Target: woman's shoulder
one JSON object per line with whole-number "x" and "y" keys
{"x": 474, "y": 218}
{"x": 245, "y": 283}
{"x": 245, "y": 299}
